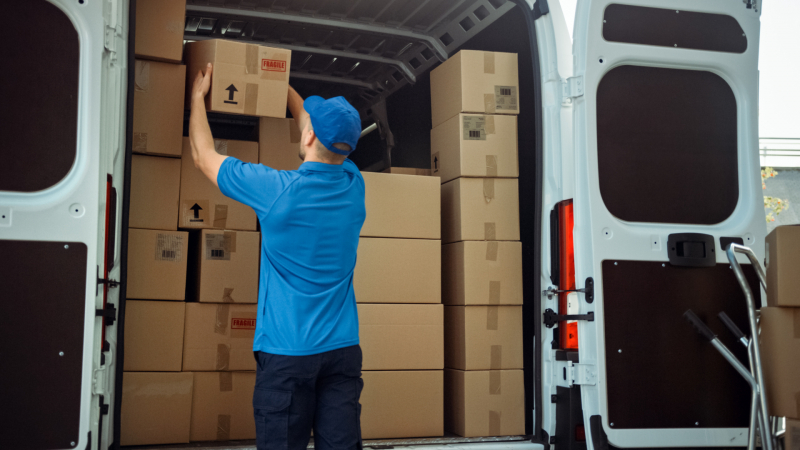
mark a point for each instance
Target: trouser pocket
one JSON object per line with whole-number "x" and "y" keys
{"x": 271, "y": 410}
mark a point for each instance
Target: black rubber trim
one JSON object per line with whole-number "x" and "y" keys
{"x": 725, "y": 242}
{"x": 532, "y": 253}
{"x": 540, "y": 8}
{"x": 699, "y": 325}
{"x": 599, "y": 438}
{"x": 126, "y": 203}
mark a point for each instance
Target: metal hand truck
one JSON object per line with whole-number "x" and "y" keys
{"x": 759, "y": 414}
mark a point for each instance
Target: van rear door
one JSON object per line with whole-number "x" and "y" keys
{"x": 666, "y": 175}
{"x": 62, "y": 114}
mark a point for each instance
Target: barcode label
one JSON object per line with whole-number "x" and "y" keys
{"x": 168, "y": 247}
{"x": 474, "y": 128}
{"x": 505, "y": 98}
{"x": 218, "y": 247}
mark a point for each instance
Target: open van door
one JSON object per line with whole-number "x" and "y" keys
{"x": 63, "y": 115}
{"x": 665, "y": 128}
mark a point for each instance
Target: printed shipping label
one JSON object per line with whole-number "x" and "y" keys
{"x": 168, "y": 247}
{"x": 505, "y": 98}
{"x": 474, "y": 128}
{"x": 218, "y": 247}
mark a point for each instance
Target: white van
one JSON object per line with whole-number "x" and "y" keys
{"x": 638, "y": 165}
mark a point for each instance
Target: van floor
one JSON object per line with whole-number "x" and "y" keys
{"x": 379, "y": 443}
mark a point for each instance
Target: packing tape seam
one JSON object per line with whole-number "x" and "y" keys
{"x": 491, "y": 165}
{"x": 221, "y": 320}
{"x": 494, "y": 292}
{"x": 492, "y": 249}
{"x": 226, "y": 295}
{"x": 489, "y": 124}
{"x": 495, "y": 418}
{"x": 223, "y": 427}
{"x": 225, "y": 381}
{"x": 230, "y": 240}
{"x": 488, "y": 62}
{"x": 140, "y": 142}
{"x": 495, "y": 382}
{"x": 223, "y": 357}
{"x": 251, "y": 99}
{"x": 492, "y": 317}
{"x": 220, "y": 216}
{"x": 496, "y": 357}
{"x": 489, "y": 231}
{"x": 251, "y": 59}
{"x": 488, "y": 189}
{"x": 489, "y": 103}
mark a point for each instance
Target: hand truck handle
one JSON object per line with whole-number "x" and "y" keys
{"x": 731, "y": 326}
{"x": 699, "y": 325}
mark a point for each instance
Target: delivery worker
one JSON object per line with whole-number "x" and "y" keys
{"x": 306, "y": 339}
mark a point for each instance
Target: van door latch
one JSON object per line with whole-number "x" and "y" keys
{"x": 588, "y": 290}
{"x": 551, "y": 318}
{"x": 573, "y": 87}
{"x": 109, "y": 313}
{"x": 581, "y": 374}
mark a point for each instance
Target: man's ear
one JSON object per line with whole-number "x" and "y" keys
{"x": 310, "y": 136}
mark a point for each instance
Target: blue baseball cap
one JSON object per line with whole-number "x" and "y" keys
{"x": 334, "y": 120}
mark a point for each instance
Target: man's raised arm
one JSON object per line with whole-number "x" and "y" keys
{"x": 295, "y": 103}
{"x": 204, "y": 155}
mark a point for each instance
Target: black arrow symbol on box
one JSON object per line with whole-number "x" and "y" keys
{"x": 231, "y": 89}
{"x": 196, "y": 208}
{"x": 435, "y": 163}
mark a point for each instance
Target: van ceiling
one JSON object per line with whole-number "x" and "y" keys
{"x": 362, "y": 49}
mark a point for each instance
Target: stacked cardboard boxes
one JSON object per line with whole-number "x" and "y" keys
{"x": 191, "y": 308}
{"x": 474, "y": 151}
{"x": 780, "y": 324}
{"x": 156, "y": 395}
{"x": 398, "y": 288}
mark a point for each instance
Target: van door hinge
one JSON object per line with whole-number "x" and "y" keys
{"x": 109, "y": 313}
{"x": 573, "y": 87}
{"x": 551, "y": 318}
{"x": 581, "y": 374}
{"x": 110, "y": 41}
{"x": 588, "y": 290}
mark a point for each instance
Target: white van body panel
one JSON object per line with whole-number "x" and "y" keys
{"x": 599, "y": 236}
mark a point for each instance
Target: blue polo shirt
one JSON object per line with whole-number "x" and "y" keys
{"x": 310, "y": 221}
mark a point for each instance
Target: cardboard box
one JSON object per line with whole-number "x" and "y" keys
{"x": 474, "y": 81}
{"x": 153, "y": 336}
{"x": 401, "y": 206}
{"x": 156, "y": 408}
{"x": 247, "y": 78}
{"x": 155, "y": 189}
{"x": 483, "y": 337}
{"x": 279, "y": 143}
{"x": 219, "y": 337}
{"x": 408, "y": 171}
{"x": 159, "y": 29}
{"x": 222, "y": 406}
{"x": 213, "y": 209}
{"x": 226, "y": 267}
{"x": 783, "y": 266}
{"x": 791, "y": 438}
{"x": 482, "y": 273}
{"x": 158, "y": 108}
{"x": 780, "y": 358}
{"x": 484, "y": 403}
{"x": 157, "y": 264}
{"x": 480, "y": 209}
{"x": 401, "y": 337}
{"x": 398, "y": 271}
{"x": 402, "y": 404}
{"x": 469, "y": 145}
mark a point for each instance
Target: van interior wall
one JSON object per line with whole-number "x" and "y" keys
{"x": 409, "y": 116}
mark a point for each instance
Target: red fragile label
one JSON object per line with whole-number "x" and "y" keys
{"x": 273, "y": 65}
{"x": 243, "y": 324}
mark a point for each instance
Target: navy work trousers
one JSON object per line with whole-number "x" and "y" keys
{"x": 294, "y": 394}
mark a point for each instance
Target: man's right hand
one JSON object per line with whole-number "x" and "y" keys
{"x": 202, "y": 83}
{"x": 295, "y": 104}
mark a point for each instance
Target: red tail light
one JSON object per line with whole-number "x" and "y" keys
{"x": 568, "y": 331}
